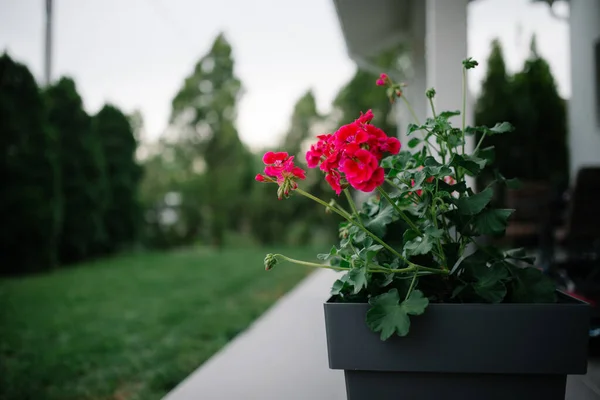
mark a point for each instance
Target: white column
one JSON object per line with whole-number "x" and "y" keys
{"x": 416, "y": 81}
{"x": 584, "y": 118}
{"x": 446, "y": 48}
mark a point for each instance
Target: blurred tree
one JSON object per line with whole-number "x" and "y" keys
{"x": 118, "y": 144}
{"x": 302, "y": 123}
{"x": 30, "y": 201}
{"x": 136, "y": 120}
{"x": 360, "y": 95}
{"x": 171, "y": 197}
{"x": 495, "y": 104}
{"x": 541, "y": 121}
{"x": 203, "y": 113}
{"x": 537, "y": 150}
{"x": 83, "y": 184}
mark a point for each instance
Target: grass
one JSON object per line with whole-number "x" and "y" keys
{"x": 131, "y": 327}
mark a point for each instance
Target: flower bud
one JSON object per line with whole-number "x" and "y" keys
{"x": 430, "y": 93}
{"x": 469, "y": 63}
{"x": 331, "y": 205}
{"x": 270, "y": 261}
{"x": 382, "y": 80}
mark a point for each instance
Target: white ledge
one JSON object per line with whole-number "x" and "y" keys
{"x": 283, "y": 355}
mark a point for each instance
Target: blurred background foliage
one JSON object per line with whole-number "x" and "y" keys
{"x": 538, "y": 149}
{"x": 79, "y": 186}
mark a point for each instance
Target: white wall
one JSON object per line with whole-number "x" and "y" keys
{"x": 584, "y": 128}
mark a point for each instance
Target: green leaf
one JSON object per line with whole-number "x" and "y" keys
{"x": 357, "y": 277}
{"x": 520, "y": 254}
{"x": 378, "y": 223}
{"x": 472, "y": 164}
{"x": 530, "y": 285}
{"x": 387, "y": 162}
{"x": 482, "y": 256}
{"x": 388, "y": 316}
{"x": 492, "y": 222}
{"x": 339, "y": 285}
{"x": 474, "y": 204}
{"x": 368, "y": 253}
{"x": 431, "y": 162}
{"x": 415, "y": 304}
{"x": 487, "y": 275}
{"x": 360, "y": 237}
{"x": 412, "y": 128}
{"x": 332, "y": 252}
{"x": 455, "y": 137}
{"x": 398, "y": 161}
{"x": 375, "y": 247}
{"x": 448, "y": 114}
{"x": 433, "y": 232}
{"x": 419, "y": 178}
{"x": 503, "y": 127}
{"x": 488, "y": 154}
{"x": 459, "y": 187}
{"x": 489, "y": 281}
{"x": 493, "y": 292}
{"x": 414, "y": 142}
{"x": 419, "y": 245}
{"x": 472, "y": 130}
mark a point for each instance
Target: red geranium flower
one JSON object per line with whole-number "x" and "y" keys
{"x": 351, "y": 155}
{"x": 280, "y": 168}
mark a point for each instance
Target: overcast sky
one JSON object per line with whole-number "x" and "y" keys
{"x": 136, "y": 53}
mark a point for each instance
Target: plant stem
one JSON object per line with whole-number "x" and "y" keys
{"x": 410, "y": 109}
{"x": 351, "y": 202}
{"x": 318, "y": 200}
{"x": 402, "y": 214}
{"x": 361, "y": 227}
{"x": 412, "y": 285}
{"x": 414, "y": 115}
{"x": 310, "y": 264}
{"x": 393, "y": 184}
{"x": 441, "y": 142}
{"x": 341, "y": 209}
{"x": 480, "y": 141}
{"x": 357, "y": 224}
{"x": 432, "y": 108}
{"x": 374, "y": 270}
{"x": 439, "y": 242}
{"x": 371, "y": 234}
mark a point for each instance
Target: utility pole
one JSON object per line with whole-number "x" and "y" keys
{"x": 48, "y": 47}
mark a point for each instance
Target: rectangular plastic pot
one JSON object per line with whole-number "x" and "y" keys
{"x": 462, "y": 351}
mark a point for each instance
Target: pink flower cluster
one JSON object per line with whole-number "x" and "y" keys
{"x": 280, "y": 168}
{"x": 351, "y": 155}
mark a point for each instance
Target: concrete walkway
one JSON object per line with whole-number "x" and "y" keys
{"x": 283, "y": 355}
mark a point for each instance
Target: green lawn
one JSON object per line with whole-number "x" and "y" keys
{"x": 133, "y": 326}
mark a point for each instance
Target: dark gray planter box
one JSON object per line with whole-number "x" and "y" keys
{"x": 462, "y": 351}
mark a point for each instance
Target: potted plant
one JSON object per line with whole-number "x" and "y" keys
{"x": 441, "y": 315}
